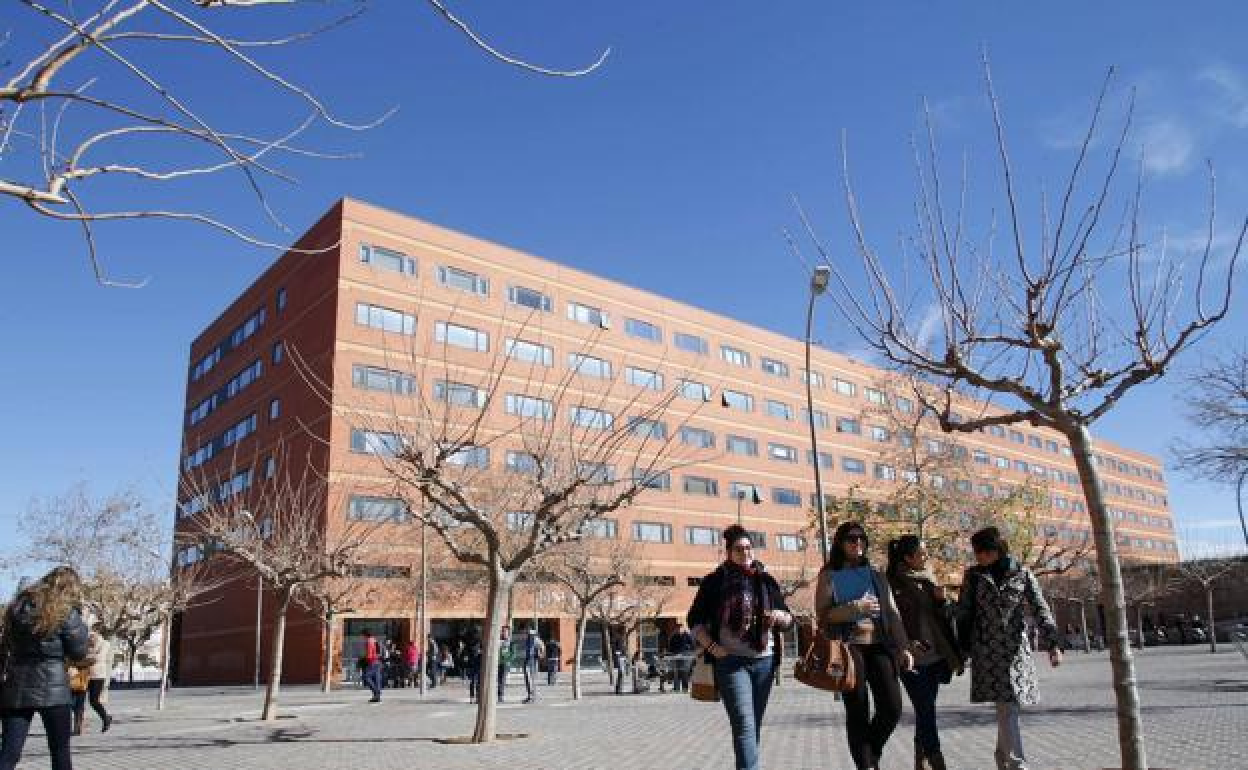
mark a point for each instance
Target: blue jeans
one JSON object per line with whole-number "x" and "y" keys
{"x": 744, "y": 686}
{"x": 923, "y": 685}
{"x": 372, "y": 678}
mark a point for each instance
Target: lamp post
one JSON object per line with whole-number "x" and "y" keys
{"x": 818, "y": 285}
{"x": 1083, "y": 625}
{"x": 246, "y": 514}
{"x": 754, "y": 498}
{"x": 1139, "y": 621}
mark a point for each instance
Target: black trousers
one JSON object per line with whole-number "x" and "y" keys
{"x": 95, "y": 688}
{"x": 867, "y": 734}
{"x": 15, "y": 724}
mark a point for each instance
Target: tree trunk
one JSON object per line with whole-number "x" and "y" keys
{"x": 165, "y": 628}
{"x": 497, "y": 603}
{"x": 1122, "y": 662}
{"x": 1213, "y": 631}
{"x": 327, "y": 675}
{"x": 275, "y": 658}
{"x": 131, "y": 651}
{"x": 608, "y": 643}
{"x": 581, "y": 623}
{"x": 1139, "y": 623}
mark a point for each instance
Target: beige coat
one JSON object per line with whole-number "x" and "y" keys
{"x": 100, "y": 653}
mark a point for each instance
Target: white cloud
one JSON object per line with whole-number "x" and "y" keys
{"x": 1232, "y": 105}
{"x": 1166, "y": 146}
{"x": 930, "y": 325}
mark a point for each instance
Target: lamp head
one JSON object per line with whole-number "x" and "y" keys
{"x": 820, "y": 278}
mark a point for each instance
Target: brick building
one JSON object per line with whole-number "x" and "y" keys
{"x": 380, "y": 280}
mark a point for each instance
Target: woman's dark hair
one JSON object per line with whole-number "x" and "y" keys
{"x": 55, "y": 595}
{"x": 899, "y": 548}
{"x": 989, "y": 539}
{"x": 836, "y": 559}
{"x": 734, "y": 533}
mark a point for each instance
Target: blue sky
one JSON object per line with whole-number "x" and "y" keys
{"x": 671, "y": 169}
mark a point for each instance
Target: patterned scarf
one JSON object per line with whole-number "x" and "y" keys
{"x": 745, "y": 601}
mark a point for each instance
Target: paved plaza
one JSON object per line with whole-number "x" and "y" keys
{"x": 1196, "y": 716}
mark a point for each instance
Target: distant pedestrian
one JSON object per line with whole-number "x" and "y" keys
{"x": 411, "y": 663}
{"x": 446, "y": 662}
{"x": 504, "y": 660}
{"x": 553, "y": 658}
{"x": 680, "y": 644}
{"x": 925, "y": 612}
{"x": 433, "y": 662}
{"x": 534, "y": 650}
{"x": 992, "y": 627}
{"x": 853, "y": 603}
{"x": 372, "y": 666}
{"x": 618, "y": 645}
{"x": 472, "y": 668}
{"x": 736, "y": 617}
{"x": 43, "y": 629}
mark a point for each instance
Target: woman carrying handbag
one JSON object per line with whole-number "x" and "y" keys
{"x": 735, "y": 617}
{"x": 853, "y": 602}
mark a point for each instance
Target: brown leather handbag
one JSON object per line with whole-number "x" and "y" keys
{"x": 826, "y": 664}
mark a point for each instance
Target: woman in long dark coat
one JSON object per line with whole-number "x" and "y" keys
{"x": 43, "y": 629}
{"x": 992, "y": 625}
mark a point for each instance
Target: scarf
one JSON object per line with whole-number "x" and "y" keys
{"x": 745, "y": 601}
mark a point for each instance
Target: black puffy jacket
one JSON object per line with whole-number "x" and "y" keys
{"x": 36, "y": 664}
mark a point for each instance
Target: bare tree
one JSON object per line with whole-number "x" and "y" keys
{"x": 1061, "y": 324}
{"x": 627, "y": 609}
{"x": 329, "y": 597}
{"x": 279, "y": 528}
{"x": 1217, "y": 405}
{"x": 587, "y": 573}
{"x": 91, "y": 97}
{"x": 1207, "y": 573}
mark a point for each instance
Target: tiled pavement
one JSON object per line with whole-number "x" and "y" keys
{"x": 1196, "y": 717}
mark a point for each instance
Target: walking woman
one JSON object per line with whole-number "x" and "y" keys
{"x": 996, "y": 593}
{"x": 853, "y": 602}
{"x": 924, "y": 612}
{"x": 735, "y": 618}
{"x": 43, "y": 629}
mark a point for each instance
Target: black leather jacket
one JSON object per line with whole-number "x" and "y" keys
{"x": 36, "y": 664}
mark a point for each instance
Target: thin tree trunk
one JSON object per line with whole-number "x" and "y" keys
{"x": 497, "y": 603}
{"x": 132, "y": 650}
{"x": 1122, "y": 662}
{"x": 165, "y": 628}
{"x": 327, "y": 676}
{"x": 1139, "y": 623}
{"x": 275, "y": 659}
{"x": 581, "y": 624}
{"x": 1213, "y": 629}
{"x": 608, "y": 643}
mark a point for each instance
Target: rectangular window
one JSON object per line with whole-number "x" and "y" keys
{"x": 701, "y": 536}
{"x": 588, "y": 417}
{"x": 281, "y": 300}
{"x": 387, "y": 259}
{"x": 735, "y": 400}
{"x": 279, "y": 352}
{"x": 782, "y": 452}
{"x": 652, "y": 532}
{"x": 699, "y": 485}
{"x": 643, "y": 330}
{"x": 1035, "y": 441}
{"x": 984, "y": 490}
{"x": 602, "y": 529}
{"x": 376, "y": 378}
{"x": 647, "y": 428}
{"x": 740, "y": 445}
{"x": 758, "y": 539}
{"x": 845, "y": 388}
{"x": 530, "y": 298}
{"x": 815, "y": 378}
{"x": 587, "y": 314}
{"x": 785, "y": 496}
{"x": 459, "y": 394}
{"x": 270, "y": 467}
{"x": 275, "y": 409}
{"x": 242, "y": 379}
{"x": 1001, "y": 462}
{"x": 519, "y": 521}
{"x": 877, "y": 397}
{"x": 1017, "y": 437}
{"x": 367, "y": 508}
{"x": 652, "y": 479}
{"x": 734, "y": 356}
{"x": 521, "y": 462}
{"x": 690, "y": 343}
{"x": 740, "y": 490}
{"x": 461, "y": 336}
{"x": 773, "y": 367}
{"x": 371, "y": 442}
{"x": 779, "y": 409}
{"x": 885, "y": 472}
{"x": 470, "y": 457}
{"x": 239, "y": 431}
{"x": 697, "y": 437}
{"x": 905, "y": 405}
{"x": 463, "y": 280}
{"x": 848, "y": 425}
{"x": 790, "y": 542}
{"x": 643, "y": 378}
{"x": 853, "y": 465}
{"x": 822, "y": 421}
{"x": 1050, "y": 446}
{"x": 981, "y": 457}
{"x": 880, "y": 433}
{"x": 532, "y": 352}
{"x": 384, "y": 318}
{"x": 589, "y": 366}
{"x": 695, "y": 391}
{"x": 996, "y": 430}
{"x": 529, "y": 406}
{"x": 825, "y": 459}
{"x": 1021, "y": 466}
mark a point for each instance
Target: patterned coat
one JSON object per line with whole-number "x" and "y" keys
{"x": 992, "y": 624}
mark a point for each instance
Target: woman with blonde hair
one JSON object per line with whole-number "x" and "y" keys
{"x": 43, "y": 629}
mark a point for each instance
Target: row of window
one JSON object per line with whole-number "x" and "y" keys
{"x": 227, "y": 391}
{"x": 220, "y": 492}
{"x": 217, "y": 444}
{"x": 235, "y": 339}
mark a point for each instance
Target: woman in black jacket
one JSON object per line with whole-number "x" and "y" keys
{"x": 43, "y": 629}
{"x": 735, "y": 618}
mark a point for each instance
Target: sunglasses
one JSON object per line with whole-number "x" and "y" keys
{"x": 855, "y": 538}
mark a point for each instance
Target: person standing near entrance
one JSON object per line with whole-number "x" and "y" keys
{"x": 372, "y": 666}
{"x": 553, "y": 658}
{"x": 680, "y": 644}
{"x": 534, "y": 651}
{"x": 504, "y": 660}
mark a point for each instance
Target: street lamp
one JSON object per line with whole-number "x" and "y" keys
{"x": 1083, "y": 624}
{"x": 246, "y": 514}
{"x": 818, "y": 285}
